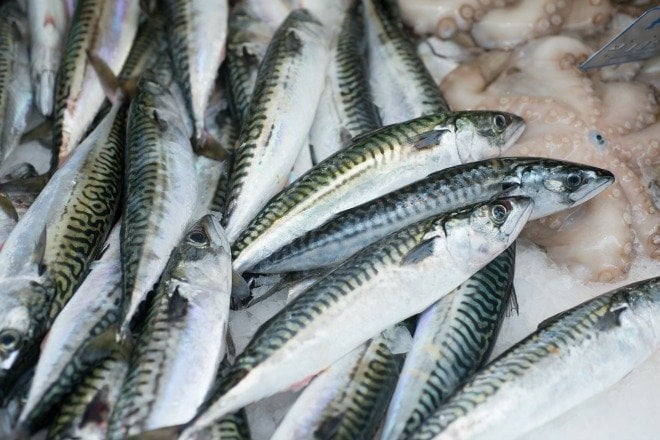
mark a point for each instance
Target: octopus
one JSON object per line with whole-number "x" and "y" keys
{"x": 505, "y": 23}
{"x": 579, "y": 117}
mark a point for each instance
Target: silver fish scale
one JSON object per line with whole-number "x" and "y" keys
{"x": 570, "y": 329}
{"x": 367, "y": 149}
{"x": 472, "y": 316}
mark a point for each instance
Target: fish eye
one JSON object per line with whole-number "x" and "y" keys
{"x": 499, "y": 121}
{"x": 499, "y": 213}
{"x": 573, "y": 180}
{"x": 198, "y": 238}
{"x": 8, "y": 340}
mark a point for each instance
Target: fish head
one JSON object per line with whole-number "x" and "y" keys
{"x": 643, "y": 300}
{"x": 18, "y": 324}
{"x": 203, "y": 255}
{"x": 479, "y": 233}
{"x": 557, "y": 185}
{"x": 485, "y": 134}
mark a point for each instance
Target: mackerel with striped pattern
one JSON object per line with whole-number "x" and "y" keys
{"x": 453, "y": 338}
{"x": 349, "y": 398}
{"x": 181, "y": 342}
{"x": 572, "y": 357}
{"x": 85, "y": 413}
{"x": 544, "y": 180}
{"x": 376, "y": 288}
{"x": 197, "y": 30}
{"x": 286, "y": 94}
{"x": 346, "y": 108}
{"x": 15, "y": 86}
{"x": 48, "y": 253}
{"x": 374, "y": 164}
{"x": 161, "y": 188}
{"x": 78, "y": 92}
{"x": 401, "y": 85}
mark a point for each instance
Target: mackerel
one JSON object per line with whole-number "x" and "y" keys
{"x": 374, "y": 164}
{"x": 346, "y": 108}
{"x": 15, "y": 86}
{"x": 105, "y": 28}
{"x": 48, "y": 253}
{"x": 148, "y": 44}
{"x": 572, "y": 357}
{"x": 453, "y": 338}
{"x": 349, "y": 398}
{"x": 49, "y": 23}
{"x": 94, "y": 308}
{"x": 287, "y": 91}
{"x": 160, "y": 183}
{"x": 197, "y": 30}
{"x": 401, "y": 85}
{"x": 85, "y": 412}
{"x": 378, "y": 287}
{"x": 247, "y": 43}
{"x": 182, "y": 341}
{"x": 554, "y": 185}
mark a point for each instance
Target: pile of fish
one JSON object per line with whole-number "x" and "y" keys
{"x": 199, "y": 149}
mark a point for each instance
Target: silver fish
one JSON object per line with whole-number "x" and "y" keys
{"x": 554, "y": 185}
{"x": 105, "y": 28}
{"x": 346, "y": 108}
{"x": 400, "y": 84}
{"x": 49, "y": 23}
{"x": 378, "y": 287}
{"x": 49, "y": 251}
{"x": 182, "y": 341}
{"x": 15, "y": 86}
{"x": 197, "y": 30}
{"x": 160, "y": 183}
{"x": 282, "y": 106}
{"x": 85, "y": 413}
{"x": 93, "y": 309}
{"x": 453, "y": 338}
{"x": 572, "y": 357}
{"x": 349, "y": 398}
{"x": 376, "y": 163}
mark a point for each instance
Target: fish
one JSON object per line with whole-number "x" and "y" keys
{"x": 349, "y": 398}
{"x": 287, "y": 91}
{"x": 378, "y": 287}
{"x": 15, "y": 86}
{"x": 401, "y": 85}
{"x": 184, "y": 329}
{"x": 346, "y": 107}
{"x": 160, "y": 185}
{"x": 196, "y": 31}
{"x": 105, "y": 29}
{"x": 94, "y": 308}
{"x": 247, "y": 43}
{"x": 374, "y": 164}
{"x": 554, "y": 185}
{"x": 149, "y": 42}
{"x": 46, "y": 256}
{"x": 453, "y": 338}
{"x": 49, "y": 23}
{"x": 570, "y": 358}
{"x": 8, "y": 217}
{"x": 85, "y": 413}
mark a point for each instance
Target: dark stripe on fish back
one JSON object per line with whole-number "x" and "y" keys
{"x": 471, "y": 334}
{"x": 90, "y": 214}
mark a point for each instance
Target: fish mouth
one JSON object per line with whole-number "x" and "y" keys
{"x": 590, "y": 191}
{"x": 514, "y": 131}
